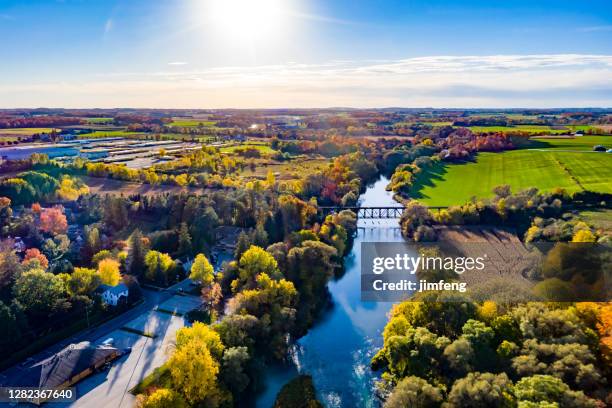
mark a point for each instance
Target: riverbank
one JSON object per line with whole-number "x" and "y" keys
{"x": 337, "y": 350}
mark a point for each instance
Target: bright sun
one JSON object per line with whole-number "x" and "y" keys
{"x": 247, "y": 19}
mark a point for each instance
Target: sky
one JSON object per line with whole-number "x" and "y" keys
{"x": 305, "y": 53}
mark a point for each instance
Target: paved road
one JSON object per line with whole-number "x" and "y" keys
{"x": 110, "y": 388}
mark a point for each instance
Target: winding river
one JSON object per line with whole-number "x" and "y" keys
{"x": 336, "y": 352}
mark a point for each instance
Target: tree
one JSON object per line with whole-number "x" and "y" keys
{"x": 136, "y": 254}
{"x": 108, "y": 269}
{"x": 10, "y": 268}
{"x": 584, "y": 235}
{"x": 8, "y": 327}
{"x": 254, "y": 262}
{"x": 482, "y": 390}
{"x": 212, "y": 295}
{"x": 201, "y": 270}
{"x": 184, "y": 241}
{"x": 201, "y": 332}
{"x": 242, "y": 245}
{"x": 34, "y": 253}
{"x": 101, "y": 255}
{"x": 83, "y": 281}
{"x": 298, "y": 393}
{"x": 233, "y": 368}
{"x": 93, "y": 244}
{"x": 163, "y": 398}
{"x": 194, "y": 372}
{"x": 158, "y": 266}
{"x": 53, "y": 221}
{"x": 38, "y": 291}
{"x": 414, "y": 392}
{"x": 546, "y": 388}
{"x": 71, "y": 189}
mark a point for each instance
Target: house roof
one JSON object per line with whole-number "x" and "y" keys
{"x": 116, "y": 290}
{"x": 61, "y": 367}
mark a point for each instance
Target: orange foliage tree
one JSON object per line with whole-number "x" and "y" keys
{"x": 34, "y": 253}
{"x": 53, "y": 220}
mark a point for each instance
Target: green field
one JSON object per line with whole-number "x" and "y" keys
{"x": 449, "y": 184}
{"x": 262, "y": 147}
{"x": 584, "y": 143}
{"x": 98, "y": 121}
{"x": 192, "y": 122}
{"x": 519, "y": 128}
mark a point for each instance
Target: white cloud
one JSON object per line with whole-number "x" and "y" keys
{"x": 561, "y": 80}
{"x": 177, "y": 63}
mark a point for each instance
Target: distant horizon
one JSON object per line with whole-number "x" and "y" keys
{"x": 425, "y": 108}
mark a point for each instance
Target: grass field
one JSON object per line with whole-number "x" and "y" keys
{"x": 25, "y": 131}
{"x": 98, "y": 121}
{"x": 519, "y": 128}
{"x": 192, "y": 122}
{"x": 585, "y": 143}
{"x": 264, "y": 148}
{"x": 449, "y": 184}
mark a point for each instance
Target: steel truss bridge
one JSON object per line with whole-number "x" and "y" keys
{"x": 371, "y": 212}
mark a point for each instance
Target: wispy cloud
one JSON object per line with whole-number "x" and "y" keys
{"x": 595, "y": 28}
{"x": 177, "y": 63}
{"x": 108, "y": 26}
{"x": 441, "y": 81}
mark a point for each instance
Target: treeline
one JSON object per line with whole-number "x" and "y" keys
{"x": 505, "y": 209}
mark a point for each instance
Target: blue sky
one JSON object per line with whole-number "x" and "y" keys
{"x": 305, "y": 53}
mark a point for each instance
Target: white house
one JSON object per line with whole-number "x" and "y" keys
{"x": 112, "y": 294}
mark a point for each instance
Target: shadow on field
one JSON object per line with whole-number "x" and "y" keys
{"x": 427, "y": 178}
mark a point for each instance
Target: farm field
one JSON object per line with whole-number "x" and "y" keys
{"x": 519, "y": 128}
{"x": 292, "y": 169}
{"x": 108, "y": 133}
{"x": 25, "y": 131}
{"x": 192, "y": 122}
{"x": 262, "y": 147}
{"x": 585, "y": 143}
{"x": 450, "y": 184}
{"x": 98, "y": 121}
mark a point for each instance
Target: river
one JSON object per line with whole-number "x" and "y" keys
{"x": 336, "y": 352}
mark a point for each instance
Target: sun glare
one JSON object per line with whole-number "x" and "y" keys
{"x": 247, "y": 19}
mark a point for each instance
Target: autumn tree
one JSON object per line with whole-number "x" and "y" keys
{"x": 34, "y": 253}
{"x": 108, "y": 269}
{"x": 194, "y": 372}
{"x": 53, "y": 220}
{"x": 201, "y": 270}
{"x": 83, "y": 281}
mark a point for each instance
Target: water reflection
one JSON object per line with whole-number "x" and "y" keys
{"x": 337, "y": 351}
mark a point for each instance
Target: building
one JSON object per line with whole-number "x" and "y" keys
{"x": 111, "y": 295}
{"x": 64, "y": 369}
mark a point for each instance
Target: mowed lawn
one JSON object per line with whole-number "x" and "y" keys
{"x": 450, "y": 184}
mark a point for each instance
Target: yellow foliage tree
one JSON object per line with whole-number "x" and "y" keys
{"x": 108, "y": 269}
{"x": 194, "y": 372}
{"x": 201, "y": 270}
{"x": 163, "y": 398}
{"x": 584, "y": 235}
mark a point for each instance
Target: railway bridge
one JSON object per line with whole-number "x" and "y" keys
{"x": 370, "y": 212}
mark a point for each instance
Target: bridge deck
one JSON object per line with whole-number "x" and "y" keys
{"x": 370, "y": 212}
